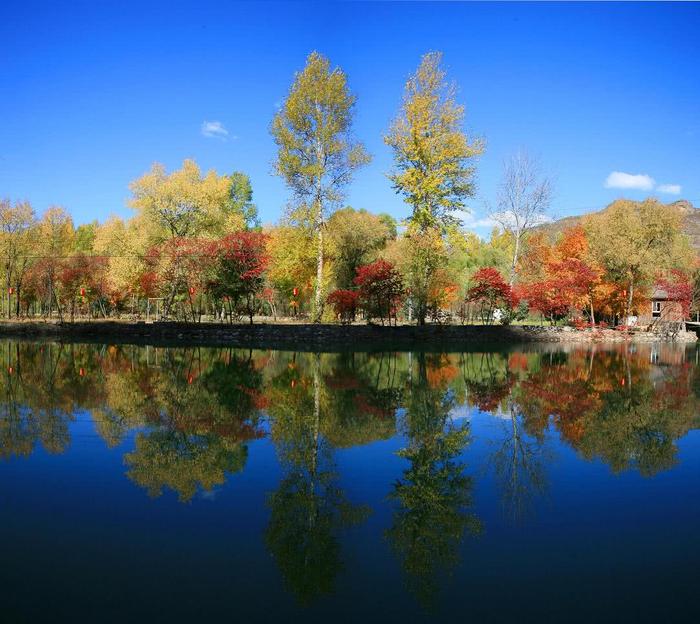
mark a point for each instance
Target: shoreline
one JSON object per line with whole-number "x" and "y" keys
{"x": 309, "y": 336}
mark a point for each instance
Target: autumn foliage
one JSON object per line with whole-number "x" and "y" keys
{"x": 380, "y": 288}
{"x": 489, "y": 291}
{"x": 678, "y": 289}
{"x": 344, "y": 303}
{"x": 239, "y": 263}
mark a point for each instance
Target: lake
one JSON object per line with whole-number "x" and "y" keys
{"x": 537, "y": 483}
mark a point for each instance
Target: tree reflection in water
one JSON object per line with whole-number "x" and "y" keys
{"x": 519, "y": 458}
{"x": 190, "y": 414}
{"x": 433, "y": 496}
{"x": 309, "y": 509}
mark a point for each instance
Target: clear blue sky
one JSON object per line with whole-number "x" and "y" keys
{"x": 91, "y": 93}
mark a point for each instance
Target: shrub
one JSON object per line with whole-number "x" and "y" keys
{"x": 344, "y": 304}
{"x": 380, "y": 289}
{"x": 490, "y": 291}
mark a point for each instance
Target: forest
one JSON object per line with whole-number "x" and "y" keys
{"x": 194, "y": 248}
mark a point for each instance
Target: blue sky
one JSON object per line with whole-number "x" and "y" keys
{"x": 92, "y": 93}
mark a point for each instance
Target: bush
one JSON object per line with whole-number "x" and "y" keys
{"x": 489, "y": 291}
{"x": 511, "y": 313}
{"x": 344, "y": 304}
{"x": 381, "y": 289}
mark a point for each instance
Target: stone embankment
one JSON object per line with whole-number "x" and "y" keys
{"x": 327, "y": 336}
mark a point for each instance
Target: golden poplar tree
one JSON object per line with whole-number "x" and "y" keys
{"x": 317, "y": 153}
{"x": 433, "y": 165}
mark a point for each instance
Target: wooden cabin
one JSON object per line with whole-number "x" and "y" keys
{"x": 661, "y": 309}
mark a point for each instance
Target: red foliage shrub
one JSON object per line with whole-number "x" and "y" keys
{"x": 380, "y": 288}
{"x": 679, "y": 289}
{"x": 490, "y": 291}
{"x": 344, "y": 304}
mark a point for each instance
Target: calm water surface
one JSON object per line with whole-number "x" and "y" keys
{"x": 211, "y": 484}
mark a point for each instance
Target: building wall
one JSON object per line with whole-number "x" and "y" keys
{"x": 671, "y": 311}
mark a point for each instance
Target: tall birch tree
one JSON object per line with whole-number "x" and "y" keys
{"x": 317, "y": 153}
{"x": 524, "y": 197}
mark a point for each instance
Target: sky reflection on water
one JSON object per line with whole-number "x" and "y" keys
{"x": 175, "y": 483}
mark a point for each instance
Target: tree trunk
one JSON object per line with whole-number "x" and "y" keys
{"x": 318, "y": 300}
{"x": 592, "y": 314}
{"x": 630, "y": 294}
{"x": 516, "y": 251}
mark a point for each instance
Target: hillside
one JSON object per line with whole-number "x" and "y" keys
{"x": 690, "y": 224}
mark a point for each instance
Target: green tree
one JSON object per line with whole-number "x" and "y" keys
{"x": 85, "y": 237}
{"x": 317, "y": 154}
{"x": 356, "y": 236}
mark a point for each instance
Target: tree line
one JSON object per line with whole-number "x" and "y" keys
{"x": 194, "y": 248}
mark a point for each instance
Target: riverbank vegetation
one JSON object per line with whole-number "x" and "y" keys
{"x": 195, "y": 250}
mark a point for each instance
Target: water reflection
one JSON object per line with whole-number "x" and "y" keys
{"x": 309, "y": 508}
{"x": 433, "y": 495}
{"x": 187, "y": 418}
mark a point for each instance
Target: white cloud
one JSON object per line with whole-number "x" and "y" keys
{"x": 214, "y": 130}
{"x": 639, "y": 181}
{"x": 469, "y": 220}
{"x": 671, "y": 189}
{"x": 507, "y": 218}
{"x": 472, "y": 221}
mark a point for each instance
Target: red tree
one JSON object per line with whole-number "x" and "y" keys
{"x": 239, "y": 263}
{"x": 381, "y": 289}
{"x": 490, "y": 291}
{"x": 344, "y": 304}
{"x": 178, "y": 269}
{"x": 679, "y": 289}
{"x": 548, "y": 298}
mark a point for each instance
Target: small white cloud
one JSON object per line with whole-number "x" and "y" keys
{"x": 639, "y": 181}
{"x": 507, "y": 219}
{"x": 214, "y": 130}
{"x": 469, "y": 220}
{"x": 671, "y": 189}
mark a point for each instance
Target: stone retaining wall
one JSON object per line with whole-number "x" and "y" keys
{"x": 330, "y": 337}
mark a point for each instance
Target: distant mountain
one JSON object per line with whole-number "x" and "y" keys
{"x": 690, "y": 221}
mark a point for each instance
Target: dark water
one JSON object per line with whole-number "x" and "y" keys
{"x": 193, "y": 484}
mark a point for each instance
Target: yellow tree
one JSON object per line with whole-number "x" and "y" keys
{"x": 55, "y": 235}
{"x": 634, "y": 241}
{"x": 124, "y": 244}
{"x": 187, "y": 203}
{"x": 433, "y": 165}
{"x": 17, "y": 240}
{"x": 356, "y": 236}
{"x": 317, "y": 153}
{"x": 292, "y": 261}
